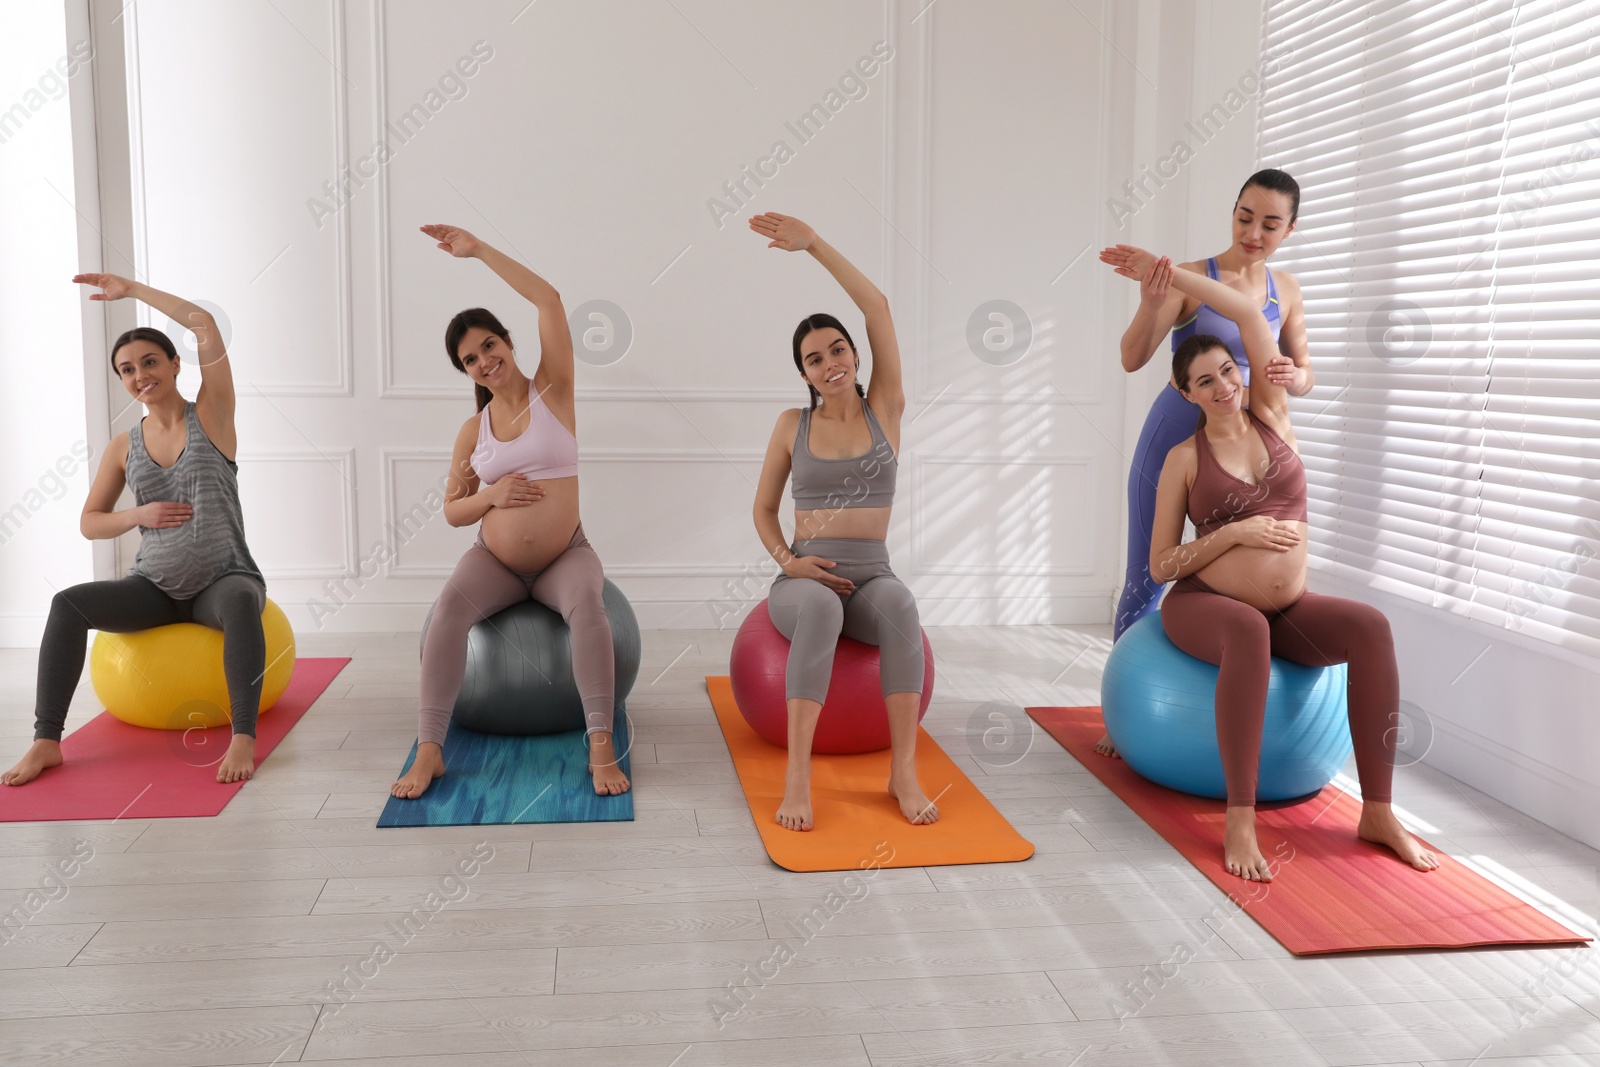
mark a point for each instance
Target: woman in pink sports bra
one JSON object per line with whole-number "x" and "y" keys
{"x": 1239, "y": 595}
{"x": 515, "y": 468}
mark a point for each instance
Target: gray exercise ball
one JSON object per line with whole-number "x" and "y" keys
{"x": 519, "y": 668}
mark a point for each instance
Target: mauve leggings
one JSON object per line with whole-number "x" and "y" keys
{"x": 1315, "y": 630}
{"x": 481, "y": 586}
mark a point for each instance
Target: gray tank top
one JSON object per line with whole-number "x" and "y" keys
{"x": 183, "y": 560}
{"x": 864, "y": 481}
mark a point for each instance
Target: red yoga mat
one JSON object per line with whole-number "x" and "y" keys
{"x": 112, "y": 770}
{"x": 1331, "y": 891}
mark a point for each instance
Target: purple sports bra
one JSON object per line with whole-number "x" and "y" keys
{"x": 546, "y": 449}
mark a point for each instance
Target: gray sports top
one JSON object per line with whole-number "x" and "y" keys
{"x": 183, "y": 560}
{"x": 864, "y": 481}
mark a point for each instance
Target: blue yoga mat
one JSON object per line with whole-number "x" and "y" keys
{"x": 491, "y": 779}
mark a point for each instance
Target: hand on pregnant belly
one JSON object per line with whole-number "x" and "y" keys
{"x": 1259, "y": 531}
{"x": 163, "y": 514}
{"x": 515, "y": 491}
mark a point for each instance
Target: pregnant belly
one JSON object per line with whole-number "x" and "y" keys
{"x": 529, "y": 539}
{"x": 1265, "y": 579}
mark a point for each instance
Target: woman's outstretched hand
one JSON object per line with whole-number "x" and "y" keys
{"x": 453, "y": 239}
{"x": 1131, "y": 261}
{"x": 783, "y": 231}
{"x": 114, "y": 285}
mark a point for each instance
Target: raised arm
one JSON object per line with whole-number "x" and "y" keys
{"x": 1267, "y": 397}
{"x": 216, "y": 399}
{"x": 555, "y": 373}
{"x": 886, "y": 390}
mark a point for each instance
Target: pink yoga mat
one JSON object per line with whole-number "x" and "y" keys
{"x": 1332, "y": 892}
{"x": 114, "y": 770}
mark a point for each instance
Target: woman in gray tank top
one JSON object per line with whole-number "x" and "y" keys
{"x": 193, "y": 563}
{"x": 841, "y": 452}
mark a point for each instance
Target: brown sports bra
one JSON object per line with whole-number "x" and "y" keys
{"x": 1218, "y": 497}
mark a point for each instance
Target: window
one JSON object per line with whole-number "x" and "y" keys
{"x": 1448, "y": 155}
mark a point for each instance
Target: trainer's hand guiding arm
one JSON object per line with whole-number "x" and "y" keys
{"x": 1159, "y": 308}
{"x": 1267, "y": 397}
{"x": 1292, "y": 368}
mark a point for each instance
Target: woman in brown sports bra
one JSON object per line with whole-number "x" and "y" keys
{"x": 1240, "y": 596}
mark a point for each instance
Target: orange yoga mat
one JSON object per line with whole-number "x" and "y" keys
{"x": 857, "y": 823}
{"x": 1331, "y": 891}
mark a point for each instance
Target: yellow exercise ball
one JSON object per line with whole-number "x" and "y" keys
{"x": 170, "y": 677}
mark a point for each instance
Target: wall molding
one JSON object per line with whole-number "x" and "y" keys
{"x": 345, "y": 462}
{"x": 389, "y": 496}
{"x": 920, "y": 462}
{"x": 344, "y": 383}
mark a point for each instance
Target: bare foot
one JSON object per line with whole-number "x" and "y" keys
{"x": 1240, "y": 853}
{"x": 1380, "y": 826}
{"x": 795, "y": 811}
{"x": 609, "y": 781}
{"x": 41, "y": 756}
{"x": 428, "y": 765}
{"x": 239, "y": 762}
{"x": 914, "y": 803}
{"x": 1105, "y": 747}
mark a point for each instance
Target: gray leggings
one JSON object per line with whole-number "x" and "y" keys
{"x": 880, "y": 611}
{"x": 232, "y": 604}
{"x": 481, "y": 586}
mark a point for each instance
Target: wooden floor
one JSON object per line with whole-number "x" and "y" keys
{"x": 222, "y": 941}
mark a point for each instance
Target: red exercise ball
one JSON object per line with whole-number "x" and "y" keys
{"x": 854, "y": 718}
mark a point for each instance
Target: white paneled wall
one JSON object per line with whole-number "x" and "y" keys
{"x": 49, "y": 456}
{"x": 275, "y": 161}
{"x": 284, "y": 155}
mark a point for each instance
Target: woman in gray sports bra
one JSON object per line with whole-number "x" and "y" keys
{"x": 193, "y": 563}
{"x": 836, "y": 578}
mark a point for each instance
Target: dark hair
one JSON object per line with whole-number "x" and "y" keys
{"x": 1192, "y": 349}
{"x": 453, "y": 333}
{"x": 1274, "y": 181}
{"x": 143, "y": 333}
{"x": 820, "y": 321}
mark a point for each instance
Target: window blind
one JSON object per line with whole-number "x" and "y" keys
{"x": 1448, "y": 154}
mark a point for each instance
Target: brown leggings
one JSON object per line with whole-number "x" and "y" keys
{"x": 1315, "y": 630}
{"x": 481, "y": 586}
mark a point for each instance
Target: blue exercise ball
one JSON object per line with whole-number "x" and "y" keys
{"x": 1159, "y": 710}
{"x": 519, "y": 668}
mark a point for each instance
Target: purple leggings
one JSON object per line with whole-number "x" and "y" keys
{"x": 1315, "y": 630}
{"x": 481, "y": 586}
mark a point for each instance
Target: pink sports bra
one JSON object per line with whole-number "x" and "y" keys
{"x": 546, "y": 449}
